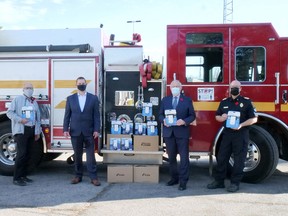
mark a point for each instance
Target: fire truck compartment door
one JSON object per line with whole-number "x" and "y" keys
{"x": 64, "y": 75}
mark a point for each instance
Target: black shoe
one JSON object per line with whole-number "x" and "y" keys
{"x": 172, "y": 182}
{"x": 19, "y": 182}
{"x": 182, "y": 186}
{"x": 233, "y": 188}
{"x": 27, "y": 180}
{"x": 76, "y": 180}
{"x": 215, "y": 184}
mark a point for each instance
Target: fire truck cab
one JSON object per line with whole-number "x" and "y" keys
{"x": 206, "y": 58}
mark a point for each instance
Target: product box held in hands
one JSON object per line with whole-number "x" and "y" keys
{"x": 233, "y": 119}
{"x": 170, "y": 117}
{"x": 28, "y": 113}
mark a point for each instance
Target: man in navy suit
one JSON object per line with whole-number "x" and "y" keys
{"x": 82, "y": 123}
{"x": 176, "y": 132}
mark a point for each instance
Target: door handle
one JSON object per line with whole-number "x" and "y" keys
{"x": 284, "y": 96}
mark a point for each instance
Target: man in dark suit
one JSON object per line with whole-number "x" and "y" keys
{"x": 82, "y": 123}
{"x": 176, "y": 132}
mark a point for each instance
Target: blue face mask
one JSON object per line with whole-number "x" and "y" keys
{"x": 175, "y": 91}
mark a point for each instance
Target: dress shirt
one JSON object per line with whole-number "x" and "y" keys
{"x": 82, "y": 100}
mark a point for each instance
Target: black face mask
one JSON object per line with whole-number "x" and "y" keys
{"x": 81, "y": 87}
{"x": 234, "y": 91}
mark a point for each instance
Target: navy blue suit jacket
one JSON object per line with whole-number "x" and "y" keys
{"x": 87, "y": 121}
{"x": 184, "y": 110}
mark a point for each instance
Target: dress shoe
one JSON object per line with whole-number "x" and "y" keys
{"x": 216, "y": 184}
{"x": 171, "y": 182}
{"x": 19, "y": 182}
{"x": 76, "y": 180}
{"x": 233, "y": 188}
{"x": 27, "y": 180}
{"x": 182, "y": 186}
{"x": 95, "y": 182}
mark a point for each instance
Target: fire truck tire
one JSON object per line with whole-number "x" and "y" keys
{"x": 262, "y": 157}
{"x": 7, "y": 149}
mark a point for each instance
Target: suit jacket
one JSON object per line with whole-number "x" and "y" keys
{"x": 87, "y": 121}
{"x": 184, "y": 111}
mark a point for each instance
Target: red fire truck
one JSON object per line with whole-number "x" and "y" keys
{"x": 205, "y": 58}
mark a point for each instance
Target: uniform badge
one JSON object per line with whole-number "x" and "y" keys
{"x": 241, "y": 105}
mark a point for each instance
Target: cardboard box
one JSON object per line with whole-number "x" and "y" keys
{"x": 146, "y": 143}
{"x": 146, "y": 173}
{"x": 120, "y": 136}
{"x": 119, "y": 173}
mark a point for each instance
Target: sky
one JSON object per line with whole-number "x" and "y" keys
{"x": 154, "y": 15}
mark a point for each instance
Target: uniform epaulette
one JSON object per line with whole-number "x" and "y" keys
{"x": 224, "y": 99}
{"x": 246, "y": 98}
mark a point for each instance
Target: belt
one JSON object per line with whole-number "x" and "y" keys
{"x": 28, "y": 126}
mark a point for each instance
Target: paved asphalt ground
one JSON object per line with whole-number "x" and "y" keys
{"x": 52, "y": 194}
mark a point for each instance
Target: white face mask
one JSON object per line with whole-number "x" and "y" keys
{"x": 28, "y": 92}
{"x": 175, "y": 91}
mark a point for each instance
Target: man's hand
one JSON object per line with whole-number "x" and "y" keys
{"x": 164, "y": 123}
{"x": 24, "y": 121}
{"x": 37, "y": 136}
{"x": 222, "y": 118}
{"x": 95, "y": 134}
{"x": 180, "y": 122}
{"x": 66, "y": 134}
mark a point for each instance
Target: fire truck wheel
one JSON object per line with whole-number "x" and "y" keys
{"x": 262, "y": 157}
{"x": 7, "y": 149}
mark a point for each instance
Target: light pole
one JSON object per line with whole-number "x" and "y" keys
{"x": 133, "y": 21}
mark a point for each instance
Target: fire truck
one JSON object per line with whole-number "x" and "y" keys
{"x": 204, "y": 58}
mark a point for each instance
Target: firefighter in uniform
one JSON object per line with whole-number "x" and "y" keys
{"x": 236, "y": 113}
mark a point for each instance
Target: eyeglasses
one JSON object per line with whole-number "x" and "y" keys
{"x": 28, "y": 88}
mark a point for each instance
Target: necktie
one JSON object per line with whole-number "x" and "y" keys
{"x": 174, "y": 103}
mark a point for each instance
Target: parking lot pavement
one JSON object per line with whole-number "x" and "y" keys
{"x": 52, "y": 194}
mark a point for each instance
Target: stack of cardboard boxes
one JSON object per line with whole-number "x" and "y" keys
{"x": 135, "y": 171}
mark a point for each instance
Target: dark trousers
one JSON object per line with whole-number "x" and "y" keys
{"x": 237, "y": 143}
{"x": 179, "y": 146}
{"x": 78, "y": 145}
{"x": 24, "y": 145}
